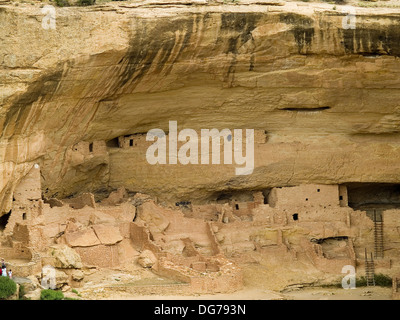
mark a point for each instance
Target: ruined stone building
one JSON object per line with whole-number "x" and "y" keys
{"x": 78, "y": 194}
{"x": 200, "y": 245}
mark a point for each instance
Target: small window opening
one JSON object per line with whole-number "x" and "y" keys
{"x": 306, "y": 199}
{"x": 340, "y": 197}
{"x": 131, "y": 142}
{"x": 24, "y": 216}
{"x": 91, "y": 147}
{"x": 318, "y": 190}
{"x": 237, "y": 206}
{"x": 295, "y": 216}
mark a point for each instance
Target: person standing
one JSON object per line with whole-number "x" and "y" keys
{"x": 3, "y": 268}
{"x": 10, "y": 274}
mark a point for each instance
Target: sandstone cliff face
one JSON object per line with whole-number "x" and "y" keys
{"x": 328, "y": 97}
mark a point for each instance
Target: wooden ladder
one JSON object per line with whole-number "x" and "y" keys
{"x": 369, "y": 270}
{"x": 378, "y": 235}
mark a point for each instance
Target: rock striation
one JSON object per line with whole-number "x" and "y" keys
{"x": 324, "y": 95}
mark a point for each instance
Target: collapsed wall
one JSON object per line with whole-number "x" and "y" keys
{"x": 305, "y": 227}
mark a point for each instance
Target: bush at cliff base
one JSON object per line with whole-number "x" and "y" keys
{"x": 7, "y": 287}
{"x": 49, "y": 294}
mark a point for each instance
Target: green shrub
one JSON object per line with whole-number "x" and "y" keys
{"x": 76, "y": 292}
{"x": 49, "y": 294}
{"x": 7, "y": 287}
{"x": 332, "y": 285}
{"x": 62, "y": 3}
{"x": 86, "y": 2}
{"x": 21, "y": 292}
{"x": 381, "y": 280}
{"x": 361, "y": 282}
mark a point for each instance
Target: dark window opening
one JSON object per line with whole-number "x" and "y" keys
{"x": 305, "y": 109}
{"x": 366, "y": 196}
{"x": 91, "y": 147}
{"x": 4, "y": 220}
{"x": 237, "y": 206}
{"x": 322, "y": 240}
{"x": 113, "y": 143}
{"x": 224, "y": 197}
{"x": 266, "y": 195}
{"x": 24, "y": 216}
{"x": 340, "y": 197}
{"x": 306, "y": 199}
{"x": 295, "y": 216}
{"x": 131, "y": 142}
{"x": 318, "y": 190}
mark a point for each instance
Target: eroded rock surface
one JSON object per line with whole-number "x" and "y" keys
{"x": 76, "y": 104}
{"x": 326, "y": 96}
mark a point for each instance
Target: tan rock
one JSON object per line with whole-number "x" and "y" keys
{"x": 66, "y": 288}
{"x": 72, "y": 295}
{"x": 107, "y": 234}
{"x": 154, "y": 216}
{"x": 65, "y": 257}
{"x": 126, "y": 251}
{"x": 77, "y": 275}
{"x": 83, "y": 238}
{"x": 147, "y": 259}
{"x": 99, "y": 256}
{"x": 99, "y": 217}
{"x": 116, "y": 197}
{"x": 33, "y": 295}
{"x": 33, "y": 285}
{"x": 61, "y": 279}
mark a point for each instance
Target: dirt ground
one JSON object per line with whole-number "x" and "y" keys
{"x": 363, "y": 293}
{"x": 95, "y": 283}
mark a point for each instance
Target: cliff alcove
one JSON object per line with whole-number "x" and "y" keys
{"x": 77, "y": 102}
